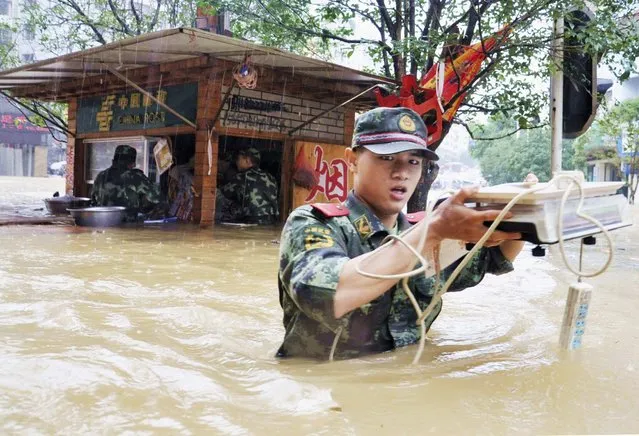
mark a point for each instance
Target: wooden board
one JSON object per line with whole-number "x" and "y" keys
{"x": 30, "y": 221}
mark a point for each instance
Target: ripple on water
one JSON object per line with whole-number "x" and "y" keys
{"x": 174, "y": 332}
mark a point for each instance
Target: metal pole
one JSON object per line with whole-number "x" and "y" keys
{"x": 148, "y": 94}
{"x": 557, "y": 97}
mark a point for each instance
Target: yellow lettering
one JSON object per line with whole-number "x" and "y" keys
{"x": 105, "y": 115}
{"x": 108, "y": 102}
{"x": 161, "y": 95}
{"x": 134, "y": 103}
{"x": 123, "y": 102}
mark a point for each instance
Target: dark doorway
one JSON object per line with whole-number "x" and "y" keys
{"x": 270, "y": 151}
{"x": 183, "y": 150}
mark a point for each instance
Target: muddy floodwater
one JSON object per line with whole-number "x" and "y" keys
{"x": 172, "y": 330}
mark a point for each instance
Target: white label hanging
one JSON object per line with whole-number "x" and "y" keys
{"x": 163, "y": 156}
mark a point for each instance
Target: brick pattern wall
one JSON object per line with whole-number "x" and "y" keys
{"x": 203, "y": 182}
{"x": 71, "y": 142}
{"x": 267, "y": 112}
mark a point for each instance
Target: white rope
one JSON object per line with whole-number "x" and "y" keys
{"x": 437, "y": 296}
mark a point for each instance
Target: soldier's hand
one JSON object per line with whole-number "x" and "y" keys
{"x": 453, "y": 220}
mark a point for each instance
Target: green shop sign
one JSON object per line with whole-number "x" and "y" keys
{"x": 134, "y": 110}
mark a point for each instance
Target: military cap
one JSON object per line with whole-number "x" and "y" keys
{"x": 390, "y": 130}
{"x": 251, "y": 152}
{"x": 124, "y": 151}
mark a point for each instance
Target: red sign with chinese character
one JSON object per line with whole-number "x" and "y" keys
{"x": 19, "y": 122}
{"x": 334, "y": 179}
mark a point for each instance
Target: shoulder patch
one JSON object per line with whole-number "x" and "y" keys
{"x": 363, "y": 226}
{"x": 331, "y": 210}
{"x": 415, "y": 217}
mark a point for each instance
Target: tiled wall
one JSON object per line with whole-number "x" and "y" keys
{"x": 263, "y": 111}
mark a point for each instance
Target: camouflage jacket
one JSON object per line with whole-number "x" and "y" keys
{"x": 253, "y": 194}
{"x": 313, "y": 251}
{"x": 120, "y": 186}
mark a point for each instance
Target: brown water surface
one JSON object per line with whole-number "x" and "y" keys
{"x": 173, "y": 330}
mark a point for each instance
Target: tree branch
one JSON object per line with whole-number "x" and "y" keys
{"x": 20, "y": 105}
{"x": 387, "y": 70}
{"x": 86, "y": 21}
{"x": 495, "y": 138}
{"x": 411, "y": 28}
{"x": 381, "y": 6}
{"x": 433, "y": 18}
{"x": 372, "y": 20}
{"x": 119, "y": 19}
{"x": 323, "y": 34}
{"x": 137, "y": 17}
{"x": 470, "y": 84}
{"x": 156, "y": 15}
{"x": 486, "y": 110}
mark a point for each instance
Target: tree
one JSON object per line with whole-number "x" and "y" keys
{"x": 590, "y": 144}
{"x": 400, "y": 37}
{"x": 510, "y": 158}
{"x": 49, "y": 115}
{"x": 404, "y": 36}
{"x": 622, "y": 122}
{"x": 410, "y": 36}
{"x": 64, "y": 26}
{"x": 69, "y": 25}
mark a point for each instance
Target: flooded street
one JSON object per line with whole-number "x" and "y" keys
{"x": 173, "y": 330}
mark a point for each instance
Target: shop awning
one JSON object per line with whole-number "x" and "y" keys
{"x": 41, "y": 79}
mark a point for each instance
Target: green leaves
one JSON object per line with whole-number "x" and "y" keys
{"x": 511, "y": 158}
{"x": 522, "y": 122}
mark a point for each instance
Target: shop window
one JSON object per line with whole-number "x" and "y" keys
{"x": 99, "y": 154}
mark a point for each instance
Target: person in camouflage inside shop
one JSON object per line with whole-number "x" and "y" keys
{"x": 251, "y": 195}
{"x": 324, "y": 298}
{"x": 123, "y": 185}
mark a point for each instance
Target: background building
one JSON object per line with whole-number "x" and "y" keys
{"x": 603, "y": 162}
{"x": 25, "y": 149}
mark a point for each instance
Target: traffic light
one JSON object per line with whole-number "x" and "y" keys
{"x": 580, "y": 77}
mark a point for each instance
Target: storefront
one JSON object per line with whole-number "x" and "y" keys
{"x": 23, "y": 147}
{"x": 178, "y": 85}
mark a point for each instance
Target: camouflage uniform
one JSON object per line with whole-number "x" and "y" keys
{"x": 120, "y": 186}
{"x": 313, "y": 251}
{"x": 251, "y": 197}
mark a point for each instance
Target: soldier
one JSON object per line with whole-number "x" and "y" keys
{"x": 123, "y": 185}
{"x": 251, "y": 195}
{"x": 324, "y": 298}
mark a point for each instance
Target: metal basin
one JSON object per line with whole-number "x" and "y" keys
{"x": 60, "y": 205}
{"x": 105, "y": 216}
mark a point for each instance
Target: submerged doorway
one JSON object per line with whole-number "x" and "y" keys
{"x": 270, "y": 158}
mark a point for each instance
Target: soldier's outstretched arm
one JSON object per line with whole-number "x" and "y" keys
{"x": 451, "y": 220}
